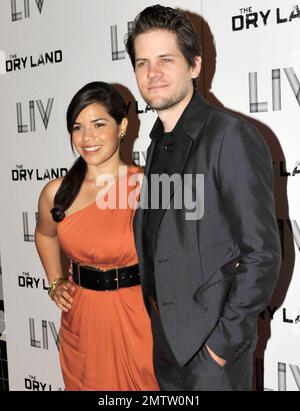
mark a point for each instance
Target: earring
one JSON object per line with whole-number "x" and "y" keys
{"x": 122, "y": 135}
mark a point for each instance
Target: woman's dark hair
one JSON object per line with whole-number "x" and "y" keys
{"x": 95, "y": 92}
{"x": 166, "y": 18}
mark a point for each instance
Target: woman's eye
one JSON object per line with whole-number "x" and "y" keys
{"x": 76, "y": 128}
{"x": 99, "y": 125}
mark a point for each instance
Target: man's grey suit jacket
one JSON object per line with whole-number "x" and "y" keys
{"x": 203, "y": 295}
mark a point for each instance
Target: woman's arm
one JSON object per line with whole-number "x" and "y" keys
{"x": 48, "y": 247}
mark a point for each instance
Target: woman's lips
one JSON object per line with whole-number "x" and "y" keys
{"x": 91, "y": 149}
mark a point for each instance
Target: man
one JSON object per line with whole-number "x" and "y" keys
{"x": 204, "y": 279}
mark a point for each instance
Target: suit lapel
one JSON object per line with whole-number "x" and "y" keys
{"x": 179, "y": 161}
{"x": 188, "y": 130}
{"x": 191, "y": 124}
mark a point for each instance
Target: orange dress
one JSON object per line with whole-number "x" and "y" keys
{"x": 105, "y": 339}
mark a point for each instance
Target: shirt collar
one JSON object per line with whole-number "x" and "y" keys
{"x": 158, "y": 131}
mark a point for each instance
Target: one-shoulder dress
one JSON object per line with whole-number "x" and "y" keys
{"x": 105, "y": 339}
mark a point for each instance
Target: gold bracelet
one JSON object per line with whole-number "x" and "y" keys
{"x": 53, "y": 285}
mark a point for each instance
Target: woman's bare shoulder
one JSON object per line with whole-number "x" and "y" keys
{"x": 51, "y": 188}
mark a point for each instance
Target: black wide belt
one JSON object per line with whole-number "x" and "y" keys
{"x": 105, "y": 280}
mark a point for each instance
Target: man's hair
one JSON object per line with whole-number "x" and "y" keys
{"x": 166, "y": 18}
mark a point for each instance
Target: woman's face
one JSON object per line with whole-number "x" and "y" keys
{"x": 96, "y": 134}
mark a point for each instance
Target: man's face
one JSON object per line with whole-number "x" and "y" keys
{"x": 163, "y": 75}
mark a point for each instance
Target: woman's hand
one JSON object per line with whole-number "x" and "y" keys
{"x": 62, "y": 295}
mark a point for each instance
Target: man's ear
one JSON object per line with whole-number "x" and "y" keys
{"x": 197, "y": 67}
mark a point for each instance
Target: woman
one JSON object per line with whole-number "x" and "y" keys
{"x": 105, "y": 336}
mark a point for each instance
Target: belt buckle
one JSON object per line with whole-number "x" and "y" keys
{"x": 117, "y": 277}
